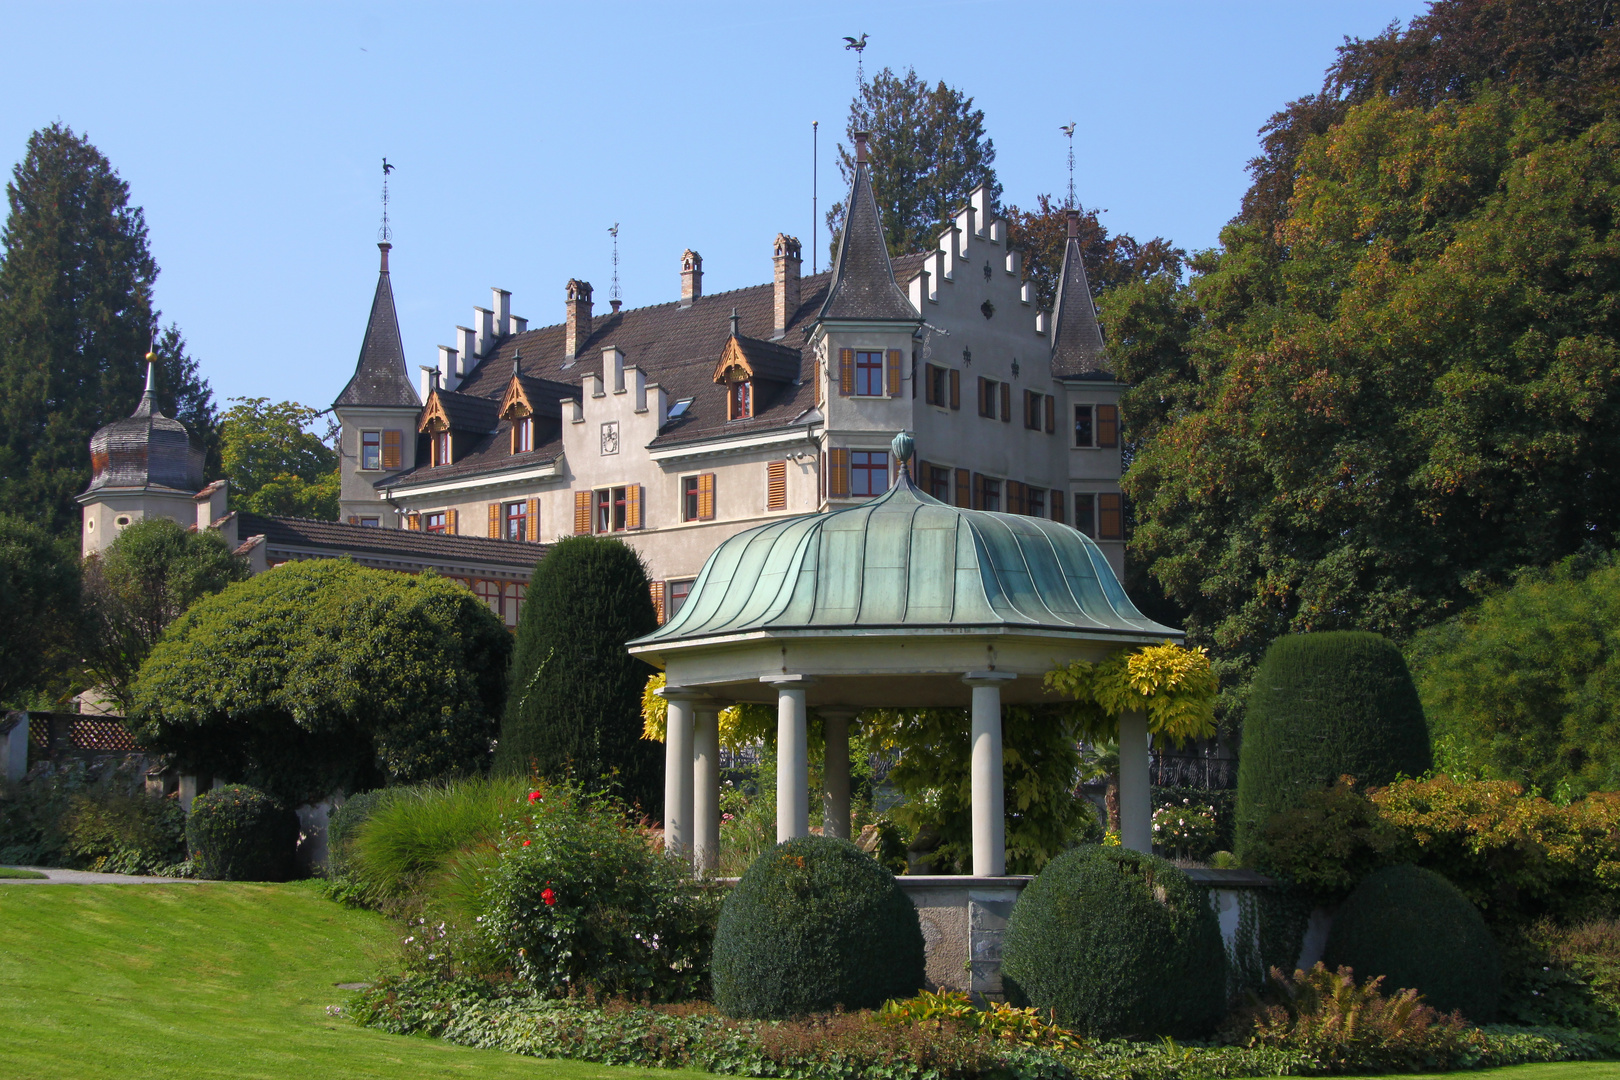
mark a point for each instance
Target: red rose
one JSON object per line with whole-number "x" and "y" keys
{"x": 549, "y": 897}
{"x": 525, "y": 843}
{"x": 535, "y": 796}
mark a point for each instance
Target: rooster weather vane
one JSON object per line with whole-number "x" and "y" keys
{"x": 859, "y": 45}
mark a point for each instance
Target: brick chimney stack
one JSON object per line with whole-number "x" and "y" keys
{"x": 786, "y": 255}
{"x": 1074, "y": 224}
{"x": 579, "y": 317}
{"x": 860, "y": 146}
{"x": 691, "y": 277}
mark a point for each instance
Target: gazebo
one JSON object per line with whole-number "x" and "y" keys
{"x": 901, "y": 602}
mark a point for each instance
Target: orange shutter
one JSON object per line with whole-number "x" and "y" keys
{"x": 450, "y": 522}
{"x": 582, "y": 512}
{"x": 846, "y": 372}
{"x": 1006, "y": 402}
{"x": 1108, "y": 425}
{"x": 494, "y": 521}
{"x": 1057, "y": 505}
{"x": 532, "y": 522}
{"x": 838, "y": 473}
{"x": 657, "y": 590}
{"x": 1051, "y": 414}
{"x": 964, "y": 489}
{"x": 413, "y": 522}
{"x": 706, "y": 496}
{"x": 353, "y": 520}
{"x": 1110, "y": 517}
{"x": 893, "y": 372}
{"x": 1029, "y": 407}
{"x": 632, "y": 506}
{"x": 391, "y": 450}
{"x": 956, "y": 389}
{"x": 984, "y": 395}
{"x": 776, "y": 485}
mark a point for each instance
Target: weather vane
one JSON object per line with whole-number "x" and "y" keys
{"x": 859, "y": 45}
{"x": 386, "y": 234}
{"x": 1068, "y": 129}
{"x": 613, "y": 290}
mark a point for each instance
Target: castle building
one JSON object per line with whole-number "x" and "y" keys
{"x": 678, "y": 425}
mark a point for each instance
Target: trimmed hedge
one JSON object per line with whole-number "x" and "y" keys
{"x": 1419, "y": 932}
{"x": 238, "y": 833}
{"x": 1324, "y": 706}
{"x": 1115, "y": 943}
{"x": 812, "y": 925}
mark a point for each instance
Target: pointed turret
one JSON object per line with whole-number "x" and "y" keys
{"x": 1077, "y": 344}
{"x": 380, "y": 377}
{"x": 863, "y": 285}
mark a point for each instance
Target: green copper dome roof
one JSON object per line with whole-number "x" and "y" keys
{"x": 907, "y": 561}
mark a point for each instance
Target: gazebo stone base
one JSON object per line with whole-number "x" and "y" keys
{"x": 963, "y": 922}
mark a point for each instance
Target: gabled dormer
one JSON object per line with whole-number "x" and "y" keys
{"x": 451, "y": 424}
{"x": 753, "y": 372}
{"x": 532, "y": 410}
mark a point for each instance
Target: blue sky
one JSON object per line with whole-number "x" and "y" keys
{"x": 253, "y": 136}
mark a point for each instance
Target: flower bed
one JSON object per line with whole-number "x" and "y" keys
{"x": 861, "y": 1045}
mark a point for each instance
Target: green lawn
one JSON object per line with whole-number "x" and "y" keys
{"x": 210, "y": 980}
{"x": 215, "y": 980}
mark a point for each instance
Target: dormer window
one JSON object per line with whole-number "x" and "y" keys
{"x": 740, "y": 400}
{"x": 523, "y": 435}
{"x": 441, "y": 448}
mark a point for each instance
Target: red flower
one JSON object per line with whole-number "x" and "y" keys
{"x": 549, "y": 897}
{"x": 535, "y": 796}
{"x": 525, "y": 843}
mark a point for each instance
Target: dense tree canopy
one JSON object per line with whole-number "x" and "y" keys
{"x": 75, "y": 321}
{"x": 1111, "y": 260}
{"x": 275, "y": 464}
{"x": 140, "y": 584}
{"x": 928, "y": 152}
{"x": 322, "y": 675}
{"x": 39, "y": 596}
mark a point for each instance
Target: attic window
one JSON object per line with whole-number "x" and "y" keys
{"x": 441, "y": 448}
{"x": 740, "y": 400}
{"x": 678, "y": 410}
{"x": 523, "y": 435}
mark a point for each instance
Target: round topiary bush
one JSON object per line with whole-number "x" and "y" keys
{"x": 1116, "y": 944}
{"x": 1324, "y": 706}
{"x": 812, "y": 925}
{"x": 238, "y": 833}
{"x": 1419, "y": 932}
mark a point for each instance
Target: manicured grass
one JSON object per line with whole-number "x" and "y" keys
{"x": 1558, "y": 1070}
{"x": 17, "y": 873}
{"x": 210, "y": 980}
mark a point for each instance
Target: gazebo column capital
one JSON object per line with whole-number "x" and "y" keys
{"x": 694, "y": 694}
{"x": 786, "y": 681}
{"x": 989, "y": 678}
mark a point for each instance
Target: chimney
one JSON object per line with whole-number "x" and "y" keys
{"x": 503, "y": 311}
{"x": 691, "y": 277}
{"x": 785, "y": 254}
{"x": 1074, "y": 224}
{"x": 484, "y": 327}
{"x": 383, "y": 247}
{"x": 579, "y": 317}
{"x": 860, "y": 146}
{"x": 616, "y": 302}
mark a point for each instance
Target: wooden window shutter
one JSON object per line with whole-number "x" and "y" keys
{"x": 1057, "y": 505}
{"x": 1110, "y": 516}
{"x": 1006, "y": 402}
{"x": 632, "y": 506}
{"x": 776, "y": 485}
{"x": 353, "y": 520}
{"x": 893, "y": 372}
{"x": 413, "y": 522}
{"x": 838, "y": 473}
{"x": 1029, "y": 406}
{"x": 706, "y": 496}
{"x": 532, "y": 524}
{"x": 494, "y": 521}
{"x": 450, "y": 522}
{"x": 846, "y": 372}
{"x": 1051, "y": 414}
{"x": 582, "y": 512}
{"x": 928, "y": 384}
{"x": 964, "y": 489}
{"x": 984, "y": 395}
{"x": 1015, "y": 497}
{"x": 956, "y": 389}
{"x": 1108, "y": 425}
{"x": 657, "y": 589}
{"x": 392, "y": 441}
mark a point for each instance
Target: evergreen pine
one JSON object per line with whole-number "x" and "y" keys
{"x": 573, "y": 705}
{"x": 1324, "y": 706}
{"x": 76, "y": 320}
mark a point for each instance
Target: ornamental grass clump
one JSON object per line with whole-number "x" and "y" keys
{"x": 238, "y": 833}
{"x": 408, "y": 835}
{"x": 1113, "y": 943}
{"x": 815, "y": 925}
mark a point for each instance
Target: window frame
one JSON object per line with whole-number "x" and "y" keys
{"x": 740, "y": 400}
{"x": 523, "y": 435}
{"x": 1090, "y": 411}
{"x": 870, "y": 374}
{"x": 875, "y": 466}
{"x": 371, "y": 522}
{"x": 371, "y": 444}
{"x": 440, "y": 441}
{"x": 689, "y": 498}
{"x": 1085, "y": 512}
{"x": 673, "y": 602}
{"x": 520, "y": 518}
{"x": 437, "y": 521}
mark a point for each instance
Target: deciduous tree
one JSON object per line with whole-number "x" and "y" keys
{"x": 39, "y": 598}
{"x": 275, "y": 464}
{"x": 1042, "y": 234}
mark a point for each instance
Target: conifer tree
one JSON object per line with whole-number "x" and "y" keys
{"x": 573, "y": 706}
{"x": 76, "y": 319}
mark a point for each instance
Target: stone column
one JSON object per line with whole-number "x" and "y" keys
{"x": 678, "y": 770}
{"x": 792, "y": 756}
{"x": 989, "y": 804}
{"x": 1135, "y": 797}
{"x": 706, "y": 788}
{"x": 835, "y": 773}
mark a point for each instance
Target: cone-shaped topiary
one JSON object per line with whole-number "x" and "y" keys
{"x": 238, "y": 833}
{"x": 812, "y": 925}
{"x": 573, "y": 706}
{"x": 1419, "y": 932}
{"x": 1324, "y": 706}
{"x": 1115, "y": 944}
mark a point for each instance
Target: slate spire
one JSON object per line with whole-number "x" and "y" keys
{"x": 1077, "y": 344}
{"x": 380, "y": 376}
{"x": 862, "y": 277}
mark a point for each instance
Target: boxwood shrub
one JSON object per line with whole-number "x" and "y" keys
{"x": 1418, "y": 931}
{"x": 1115, "y": 943}
{"x": 238, "y": 833}
{"x": 812, "y": 925}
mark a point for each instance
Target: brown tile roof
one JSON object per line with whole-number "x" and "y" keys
{"x": 339, "y": 537}
{"x": 380, "y": 377}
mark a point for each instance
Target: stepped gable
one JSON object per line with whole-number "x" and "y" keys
{"x": 1077, "y": 342}
{"x": 145, "y": 450}
{"x": 863, "y": 285}
{"x": 380, "y": 377}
